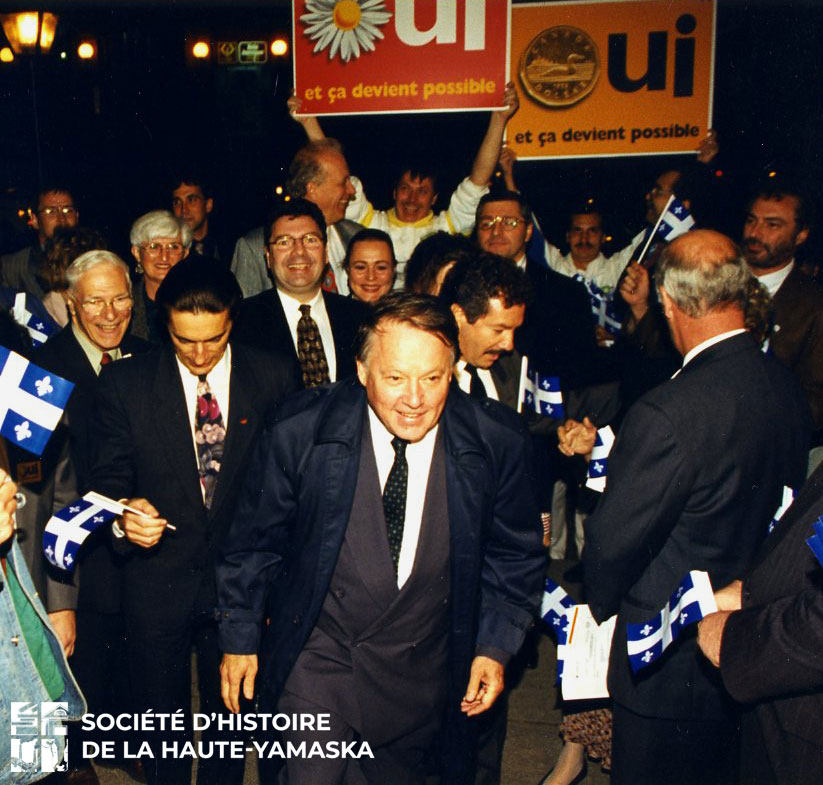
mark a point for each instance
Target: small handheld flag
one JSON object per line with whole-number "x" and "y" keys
{"x": 598, "y": 464}
{"x": 693, "y": 600}
{"x": 788, "y": 498}
{"x": 815, "y": 542}
{"x": 540, "y": 393}
{"x": 40, "y": 325}
{"x": 602, "y": 303}
{"x": 31, "y": 401}
{"x": 553, "y": 610}
{"x": 673, "y": 221}
{"x": 68, "y": 529}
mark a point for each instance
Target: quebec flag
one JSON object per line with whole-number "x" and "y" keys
{"x": 553, "y": 611}
{"x": 31, "y": 401}
{"x": 788, "y": 498}
{"x": 815, "y": 542}
{"x": 693, "y": 600}
{"x": 598, "y": 465}
{"x": 31, "y": 315}
{"x": 603, "y": 307}
{"x": 676, "y": 220}
{"x": 540, "y": 393}
{"x": 68, "y": 528}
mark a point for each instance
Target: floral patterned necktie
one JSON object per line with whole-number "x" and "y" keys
{"x": 310, "y": 350}
{"x": 209, "y": 433}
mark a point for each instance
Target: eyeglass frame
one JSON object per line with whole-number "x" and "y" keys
{"x": 508, "y": 222}
{"x": 293, "y": 241}
{"x": 175, "y": 247}
{"x": 101, "y": 304}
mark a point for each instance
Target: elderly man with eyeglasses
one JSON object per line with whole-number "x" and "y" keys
{"x": 52, "y": 206}
{"x": 297, "y": 316}
{"x": 159, "y": 240}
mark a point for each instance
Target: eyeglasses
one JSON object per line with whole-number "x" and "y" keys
{"x": 508, "y": 222}
{"x": 94, "y": 306}
{"x": 65, "y": 210}
{"x": 285, "y": 242}
{"x": 157, "y": 248}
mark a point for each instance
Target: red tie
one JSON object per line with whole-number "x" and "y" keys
{"x": 105, "y": 359}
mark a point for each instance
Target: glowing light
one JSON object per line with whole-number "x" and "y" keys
{"x": 772, "y": 173}
{"x": 279, "y": 190}
{"x": 201, "y": 50}
{"x": 279, "y": 47}
{"x": 6, "y": 55}
{"x": 86, "y": 50}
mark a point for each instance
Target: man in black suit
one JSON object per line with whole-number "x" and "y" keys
{"x": 695, "y": 476}
{"x": 174, "y": 432}
{"x": 297, "y": 315}
{"x": 769, "y": 652}
{"x": 388, "y": 530}
{"x": 100, "y": 304}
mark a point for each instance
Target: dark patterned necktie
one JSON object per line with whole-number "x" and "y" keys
{"x": 310, "y": 350}
{"x": 209, "y": 433}
{"x": 476, "y": 389}
{"x": 394, "y": 499}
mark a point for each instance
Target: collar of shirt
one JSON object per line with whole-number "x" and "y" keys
{"x": 694, "y": 351}
{"x": 419, "y": 458}
{"x": 464, "y": 379}
{"x": 521, "y": 262}
{"x": 291, "y": 307}
{"x": 773, "y": 281}
{"x": 218, "y": 379}
{"x": 92, "y": 352}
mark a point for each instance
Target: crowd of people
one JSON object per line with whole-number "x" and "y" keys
{"x": 343, "y": 497}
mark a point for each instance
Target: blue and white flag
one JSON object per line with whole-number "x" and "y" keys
{"x": 815, "y": 542}
{"x": 598, "y": 464}
{"x": 68, "y": 528}
{"x": 676, "y": 220}
{"x": 36, "y": 320}
{"x": 693, "y": 600}
{"x": 788, "y": 498}
{"x": 540, "y": 393}
{"x": 602, "y": 303}
{"x": 553, "y": 611}
{"x": 31, "y": 401}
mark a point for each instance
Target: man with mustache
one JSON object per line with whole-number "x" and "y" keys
{"x": 776, "y": 224}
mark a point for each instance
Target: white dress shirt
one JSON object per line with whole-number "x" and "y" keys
{"x": 419, "y": 458}
{"x": 218, "y": 379}
{"x": 773, "y": 281}
{"x": 701, "y": 347}
{"x": 92, "y": 351}
{"x": 291, "y": 307}
{"x": 464, "y": 379}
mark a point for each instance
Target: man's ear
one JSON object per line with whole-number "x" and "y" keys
{"x": 209, "y": 205}
{"x": 667, "y": 302}
{"x": 459, "y": 314}
{"x": 362, "y": 374}
{"x": 801, "y": 237}
{"x": 529, "y": 230}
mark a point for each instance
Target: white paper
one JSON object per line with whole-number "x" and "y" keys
{"x": 586, "y": 655}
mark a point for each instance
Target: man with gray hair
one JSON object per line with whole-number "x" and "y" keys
{"x": 159, "y": 240}
{"x": 100, "y": 304}
{"x": 695, "y": 476}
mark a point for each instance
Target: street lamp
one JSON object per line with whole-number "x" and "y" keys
{"x": 30, "y": 31}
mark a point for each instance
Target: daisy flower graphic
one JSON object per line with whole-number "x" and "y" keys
{"x": 347, "y": 27}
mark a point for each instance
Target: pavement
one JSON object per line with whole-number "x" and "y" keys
{"x": 532, "y": 741}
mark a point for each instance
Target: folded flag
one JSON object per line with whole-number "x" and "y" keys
{"x": 673, "y": 221}
{"x": 31, "y": 315}
{"x": 68, "y": 528}
{"x": 540, "y": 393}
{"x": 815, "y": 542}
{"x": 31, "y": 401}
{"x": 693, "y": 600}
{"x": 603, "y": 307}
{"x": 598, "y": 464}
{"x": 553, "y": 610}
{"x": 788, "y": 498}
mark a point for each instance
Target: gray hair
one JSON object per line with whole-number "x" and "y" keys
{"x": 702, "y": 271}
{"x": 89, "y": 261}
{"x": 306, "y": 167}
{"x": 159, "y": 223}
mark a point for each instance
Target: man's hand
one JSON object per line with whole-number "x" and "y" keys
{"x": 576, "y": 438}
{"x": 234, "y": 669}
{"x": 708, "y": 148}
{"x": 145, "y": 532}
{"x": 730, "y": 598}
{"x": 510, "y": 101}
{"x": 309, "y": 122}
{"x": 65, "y": 625}
{"x": 710, "y": 635}
{"x": 8, "y": 506}
{"x": 634, "y": 289}
{"x": 506, "y": 161}
{"x": 485, "y": 684}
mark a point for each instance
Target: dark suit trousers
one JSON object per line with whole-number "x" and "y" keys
{"x": 653, "y": 751}
{"x": 402, "y": 762}
{"x": 160, "y": 666}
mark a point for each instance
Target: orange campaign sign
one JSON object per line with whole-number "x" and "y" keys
{"x": 612, "y": 77}
{"x": 371, "y": 56}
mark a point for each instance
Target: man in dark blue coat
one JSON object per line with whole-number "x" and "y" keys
{"x": 389, "y": 532}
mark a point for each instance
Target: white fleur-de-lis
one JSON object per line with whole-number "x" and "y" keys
{"x": 67, "y": 559}
{"x": 39, "y": 325}
{"x": 98, "y": 519}
{"x": 598, "y": 467}
{"x": 684, "y": 617}
{"x": 22, "y": 431}
{"x": 44, "y": 386}
{"x": 49, "y": 551}
{"x": 546, "y": 384}
{"x": 647, "y": 629}
{"x": 647, "y": 657}
{"x": 74, "y": 509}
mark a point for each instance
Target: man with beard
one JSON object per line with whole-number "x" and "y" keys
{"x": 777, "y": 222}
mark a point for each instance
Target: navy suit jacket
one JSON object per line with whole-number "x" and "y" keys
{"x": 695, "y": 476}
{"x": 282, "y": 549}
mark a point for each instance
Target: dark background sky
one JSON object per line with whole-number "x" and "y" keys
{"x": 117, "y": 126}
